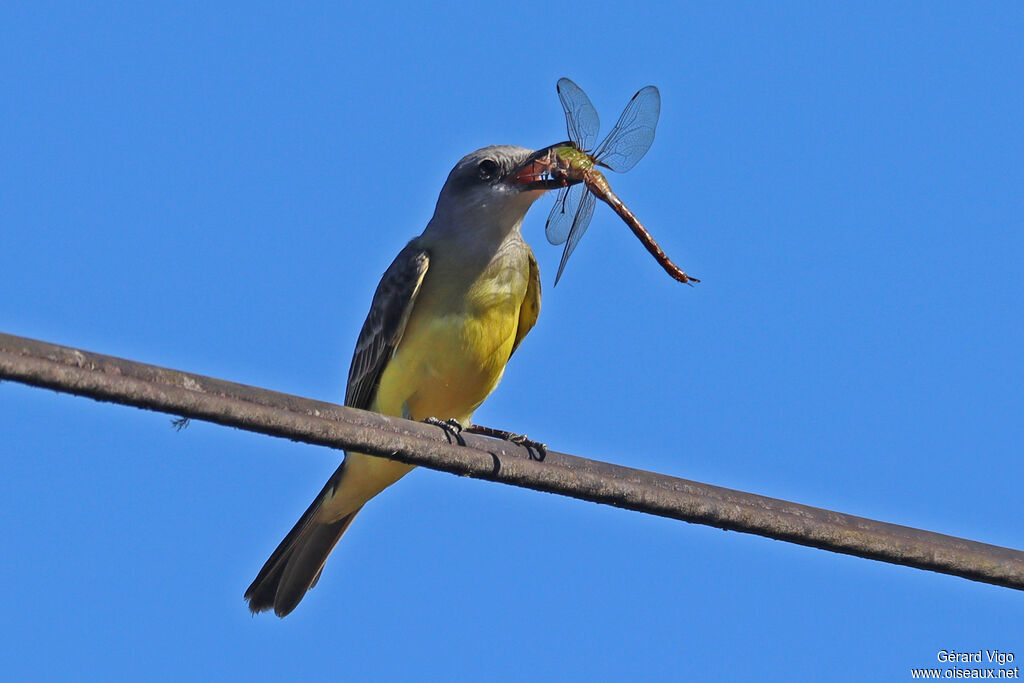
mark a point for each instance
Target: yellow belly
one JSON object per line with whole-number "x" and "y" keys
{"x": 449, "y": 361}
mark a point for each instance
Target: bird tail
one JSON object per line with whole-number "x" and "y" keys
{"x": 295, "y": 566}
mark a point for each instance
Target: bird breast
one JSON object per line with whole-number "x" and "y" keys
{"x": 459, "y": 336}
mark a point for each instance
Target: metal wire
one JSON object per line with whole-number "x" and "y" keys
{"x": 106, "y": 378}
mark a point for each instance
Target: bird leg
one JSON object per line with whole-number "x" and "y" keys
{"x": 538, "y": 451}
{"x": 453, "y": 429}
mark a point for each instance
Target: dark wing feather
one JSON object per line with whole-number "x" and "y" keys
{"x": 385, "y": 324}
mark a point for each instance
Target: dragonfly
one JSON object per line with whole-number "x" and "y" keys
{"x": 576, "y": 163}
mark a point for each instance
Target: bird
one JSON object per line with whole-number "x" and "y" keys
{"x": 445, "y": 319}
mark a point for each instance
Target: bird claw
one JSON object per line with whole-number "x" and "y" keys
{"x": 538, "y": 451}
{"x": 452, "y": 428}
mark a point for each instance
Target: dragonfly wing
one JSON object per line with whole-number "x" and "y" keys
{"x": 562, "y": 213}
{"x": 580, "y": 116}
{"x": 633, "y": 134}
{"x": 579, "y": 226}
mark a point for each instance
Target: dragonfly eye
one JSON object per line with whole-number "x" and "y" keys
{"x": 487, "y": 169}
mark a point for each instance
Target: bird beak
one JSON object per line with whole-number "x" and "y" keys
{"x": 540, "y": 171}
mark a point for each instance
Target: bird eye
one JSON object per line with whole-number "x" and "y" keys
{"x": 487, "y": 169}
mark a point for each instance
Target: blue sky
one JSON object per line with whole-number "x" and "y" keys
{"x": 218, "y": 189}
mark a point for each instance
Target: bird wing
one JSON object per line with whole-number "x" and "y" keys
{"x": 294, "y": 567}
{"x": 530, "y": 308}
{"x": 385, "y": 323}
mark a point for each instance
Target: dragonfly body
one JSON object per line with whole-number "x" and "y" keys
{"x": 576, "y": 164}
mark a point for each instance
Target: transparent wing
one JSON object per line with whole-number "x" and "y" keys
{"x": 633, "y": 134}
{"x": 562, "y": 213}
{"x": 580, "y": 116}
{"x": 579, "y": 226}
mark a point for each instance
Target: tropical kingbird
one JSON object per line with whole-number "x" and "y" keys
{"x": 446, "y": 317}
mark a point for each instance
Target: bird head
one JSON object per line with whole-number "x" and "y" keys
{"x": 493, "y": 186}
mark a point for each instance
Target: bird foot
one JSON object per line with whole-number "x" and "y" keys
{"x": 452, "y": 429}
{"x": 538, "y": 451}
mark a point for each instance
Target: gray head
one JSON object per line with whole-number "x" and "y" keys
{"x": 491, "y": 188}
